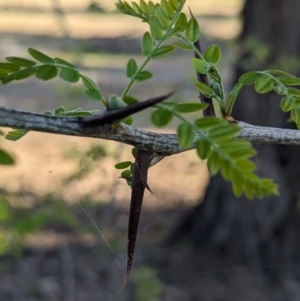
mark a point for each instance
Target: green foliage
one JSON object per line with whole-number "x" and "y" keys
{"x": 266, "y": 81}
{"x": 46, "y": 68}
{"x": 214, "y": 139}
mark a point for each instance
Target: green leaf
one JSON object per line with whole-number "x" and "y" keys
{"x": 6, "y": 158}
{"x": 223, "y": 133}
{"x": 204, "y": 89}
{"x": 128, "y": 120}
{"x": 294, "y": 92}
{"x": 46, "y": 72}
{"x": 130, "y": 100}
{"x": 289, "y": 80}
{"x": 235, "y": 91}
{"x": 185, "y": 135}
{"x": 63, "y": 62}
{"x": 281, "y": 89}
{"x": 181, "y": 22}
{"x": 20, "y": 61}
{"x": 192, "y": 30}
{"x": 93, "y": 94}
{"x": 167, "y": 9}
{"x": 208, "y": 123}
{"x": 200, "y": 65}
{"x": 249, "y": 78}
{"x": 212, "y": 54}
{"x": 8, "y": 78}
{"x": 203, "y": 148}
{"x": 126, "y": 173}
{"x": 213, "y": 162}
{"x": 155, "y": 29}
{"x": 69, "y": 75}
{"x": 131, "y": 68}
{"x": 123, "y": 165}
{"x": 39, "y": 56}
{"x": 24, "y": 73}
{"x": 264, "y": 85}
{"x": 161, "y": 118}
{"x": 190, "y": 107}
{"x": 142, "y": 76}
{"x": 182, "y": 46}
{"x": 147, "y": 44}
{"x": 287, "y": 103}
{"x": 8, "y": 68}
{"x": 89, "y": 83}
{"x": 162, "y": 51}
{"x": 161, "y": 18}
{"x": 16, "y": 134}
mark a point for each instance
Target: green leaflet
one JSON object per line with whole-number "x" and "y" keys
{"x": 131, "y": 68}
{"x": 192, "y": 30}
{"x": 185, "y": 135}
{"x": 39, "y": 56}
{"x": 161, "y": 117}
{"x": 46, "y": 72}
{"x": 6, "y": 158}
{"x": 212, "y": 54}
{"x": 147, "y": 43}
{"x": 249, "y": 78}
{"x": 190, "y": 107}
{"x": 69, "y": 75}
{"x": 123, "y": 165}
{"x": 264, "y": 85}
{"x": 200, "y": 65}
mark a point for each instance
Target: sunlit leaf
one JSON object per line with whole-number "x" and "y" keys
{"x": 249, "y": 78}
{"x": 162, "y": 51}
{"x": 192, "y": 30}
{"x": 264, "y": 85}
{"x": 212, "y": 54}
{"x": 287, "y": 103}
{"x": 200, "y": 65}
{"x": 204, "y": 89}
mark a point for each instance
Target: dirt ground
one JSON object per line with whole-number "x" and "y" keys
{"x": 77, "y": 250}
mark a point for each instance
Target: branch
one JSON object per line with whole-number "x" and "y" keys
{"x": 165, "y": 144}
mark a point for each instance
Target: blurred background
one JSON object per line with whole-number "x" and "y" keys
{"x": 63, "y": 209}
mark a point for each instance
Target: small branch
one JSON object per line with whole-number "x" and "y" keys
{"x": 164, "y": 144}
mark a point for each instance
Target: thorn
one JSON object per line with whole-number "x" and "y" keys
{"x": 145, "y": 184}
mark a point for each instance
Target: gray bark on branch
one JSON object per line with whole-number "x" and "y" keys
{"x": 164, "y": 144}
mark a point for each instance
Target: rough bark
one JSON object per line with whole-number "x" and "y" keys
{"x": 260, "y": 232}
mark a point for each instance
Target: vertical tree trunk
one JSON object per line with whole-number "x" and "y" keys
{"x": 261, "y": 231}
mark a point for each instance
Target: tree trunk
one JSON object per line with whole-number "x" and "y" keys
{"x": 266, "y": 231}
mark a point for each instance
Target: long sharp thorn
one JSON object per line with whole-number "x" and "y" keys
{"x": 111, "y": 116}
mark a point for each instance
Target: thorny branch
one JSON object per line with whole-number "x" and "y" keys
{"x": 165, "y": 144}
